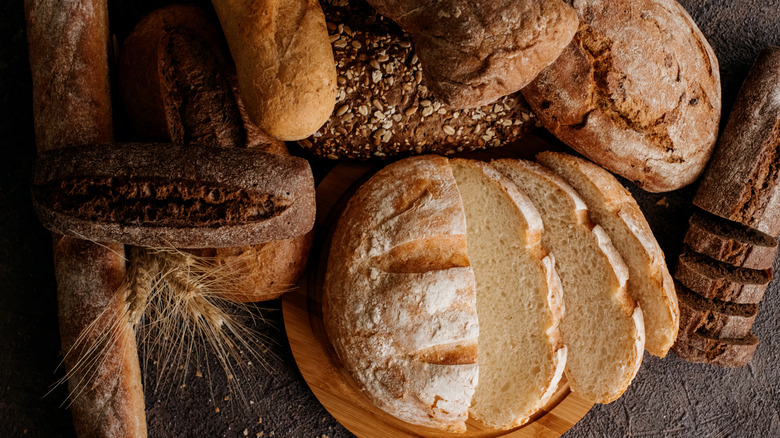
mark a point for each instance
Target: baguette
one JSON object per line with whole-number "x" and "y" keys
{"x": 730, "y": 242}
{"x": 68, "y": 45}
{"x": 285, "y": 63}
{"x": 742, "y": 182}
{"x": 612, "y": 206}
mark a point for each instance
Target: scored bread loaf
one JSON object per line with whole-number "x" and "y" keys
{"x": 717, "y": 280}
{"x": 603, "y": 326}
{"x": 399, "y": 298}
{"x": 612, "y": 206}
{"x": 730, "y": 242}
{"x": 519, "y": 303}
{"x": 474, "y": 53}
{"x": 384, "y": 106}
{"x": 637, "y": 91}
{"x": 716, "y": 318}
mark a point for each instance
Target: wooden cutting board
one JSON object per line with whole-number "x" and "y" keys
{"x": 321, "y": 368}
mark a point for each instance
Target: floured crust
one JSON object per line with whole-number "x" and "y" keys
{"x": 651, "y": 118}
{"x": 649, "y": 281}
{"x": 385, "y": 318}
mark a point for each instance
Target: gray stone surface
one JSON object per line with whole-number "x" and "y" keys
{"x": 669, "y": 397}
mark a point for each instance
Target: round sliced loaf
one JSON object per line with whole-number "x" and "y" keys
{"x": 637, "y": 91}
{"x": 612, "y": 206}
{"x": 603, "y": 326}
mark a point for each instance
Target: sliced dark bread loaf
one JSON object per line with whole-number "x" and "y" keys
{"x": 730, "y": 242}
{"x": 714, "y": 279}
{"x": 713, "y": 317}
{"x": 727, "y": 352}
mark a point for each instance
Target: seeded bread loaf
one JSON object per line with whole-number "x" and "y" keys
{"x": 742, "y": 183}
{"x": 178, "y": 85}
{"x": 384, "y": 106}
{"x": 472, "y": 53}
{"x": 717, "y": 280}
{"x": 167, "y": 195}
{"x": 604, "y": 328}
{"x": 716, "y": 318}
{"x": 284, "y": 62}
{"x": 637, "y": 91}
{"x": 612, "y": 206}
{"x": 727, "y": 352}
{"x": 730, "y": 242}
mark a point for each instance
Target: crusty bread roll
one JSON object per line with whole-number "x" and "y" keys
{"x": 637, "y": 91}
{"x": 399, "y": 298}
{"x": 384, "y": 105}
{"x": 519, "y": 301}
{"x": 603, "y": 327}
{"x": 284, "y": 61}
{"x": 472, "y": 53}
{"x": 612, "y": 206}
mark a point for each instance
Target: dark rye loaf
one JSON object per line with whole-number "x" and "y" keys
{"x": 384, "y": 106}
{"x": 714, "y": 317}
{"x": 167, "y": 195}
{"x": 727, "y": 352}
{"x": 713, "y": 279}
{"x": 730, "y": 242}
{"x": 742, "y": 183}
{"x": 637, "y": 91}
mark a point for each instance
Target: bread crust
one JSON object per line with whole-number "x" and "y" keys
{"x": 649, "y": 280}
{"x": 474, "y": 53}
{"x": 730, "y": 242}
{"x": 80, "y": 191}
{"x": 652, "y": 118}
{"x": 384, "y": 319}
{"x": 742, "y": 182}
{"x": 284, "y": 61}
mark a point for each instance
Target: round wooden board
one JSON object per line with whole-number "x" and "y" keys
{"x": 320, "y": 366}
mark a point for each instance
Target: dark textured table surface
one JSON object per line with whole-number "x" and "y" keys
{"x": 668, "y": 398}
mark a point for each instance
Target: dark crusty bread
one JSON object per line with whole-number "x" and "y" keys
{"x": 727, "y": 352}
{"x": 713, "y": 279}
{"x": 98, "y": 340}
{"x": 742, "y": 183}
{"x": 178, "y": 85}
{"x": 730, "y": 242}
{"x": 637, "y": 91}
{"x": 384, "y": 106}
{"x": 714, "y": 317}
{"x": 168, "y": 195}
{"x": 472, "y": 53}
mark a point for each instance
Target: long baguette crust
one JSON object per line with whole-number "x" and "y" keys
{"x": 399, "y": 297}
{"x": 652, "y": 118}
{"x": 730, "y": 242}
{"x": 742, "y": 182}
{"x": 284, "y": 62}
{"x": 98, "y": 340}
{"x": 613, "y": 207}
{"x": 166, "y": 195}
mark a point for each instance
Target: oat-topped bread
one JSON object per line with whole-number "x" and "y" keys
{"x": 603, "y": 326}
{"x": 637, "y": 91}
{"x": 400, "y": 303}
{"x": 439, "y": 298}
{"x": 519, "y": 302}
{"x": 384, "y": 106}
{"x": 474, "y": 52}
{"x": 612, "y": 206}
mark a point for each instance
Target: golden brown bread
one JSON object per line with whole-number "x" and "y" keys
{"x": 637, "y": 91}
{"x": 284, "y": 61}
{"x": 473, "y": 53}
{"x": 68, "y": 45}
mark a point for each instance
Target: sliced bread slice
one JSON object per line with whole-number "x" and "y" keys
{"x": 603, "y": 327}
{"x": 727, "y": 352}
{"x": 730, "y": 242}
{"x": 612, "y": 206}
{"x": 521, "y": 354}
{"x": 713, "y": 279}
{"x": 717, "y": 318}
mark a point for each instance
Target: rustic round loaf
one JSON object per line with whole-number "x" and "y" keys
{"x": 384, "y": 107}
{"x": 637, "y": 91}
